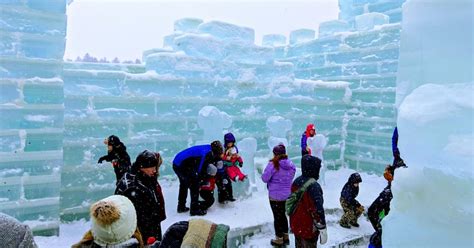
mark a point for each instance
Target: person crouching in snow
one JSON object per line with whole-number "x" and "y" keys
{"x": 190, "y": 165}
{"x": 232, "y": 159}
{"x": 376, "y": 212}
{"x": 208, "y": 185}
{"x": 195, "y": 233}
{"x": 308, "y": 221}
{"x": 141, "y": 186}
{"x": 114, "y": 224}
{"x": 117, "y": 155}
{"x": 352, "y": 208}
{"x": 278, "y": 176}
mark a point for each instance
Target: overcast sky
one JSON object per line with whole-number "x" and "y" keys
{"x": 125, "y": 28}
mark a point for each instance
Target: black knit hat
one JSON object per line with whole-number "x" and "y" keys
{"x": 113, "y": 141}
{"x": 146, "y": 159}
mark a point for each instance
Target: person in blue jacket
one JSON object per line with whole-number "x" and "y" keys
{"x": 397, "y": 160}
{"x": 190, "y": 165}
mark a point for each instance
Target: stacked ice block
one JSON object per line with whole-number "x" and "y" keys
{"x": 363, "y": 50}
{"x": 209, "y": 63}
{"x": 32, "y": 41}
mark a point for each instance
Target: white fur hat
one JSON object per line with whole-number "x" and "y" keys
{"x": 114, "y": 220}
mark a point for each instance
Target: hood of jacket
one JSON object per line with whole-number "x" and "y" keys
{"x": 310, "y": 166}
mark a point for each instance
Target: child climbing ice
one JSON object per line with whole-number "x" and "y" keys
{"x": 232, "y": 159}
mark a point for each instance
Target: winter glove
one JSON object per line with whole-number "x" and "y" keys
{"x": 220, "y": 165}
{"x": 101, "y": 159}
{"x": 323, "y": 236}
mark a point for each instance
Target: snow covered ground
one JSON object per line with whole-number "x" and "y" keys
{"x": 250, "y": 212}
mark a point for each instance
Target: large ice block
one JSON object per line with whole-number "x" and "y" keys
{"x": 301, "y": 35}
{"x": 201, "y": 46}
{"x": 329, "y": 28}
{"x": 273, "y": 40}
{"x": 422, "y": 60}
{"x": 227, "y": 31}
{"x": 187, "y": 24}
{"x": 369, "y": 20}
{"x": 433, "y": 197}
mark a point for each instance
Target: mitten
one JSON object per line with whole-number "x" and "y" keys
{"x": 323, "y": 236}
{"x": 101, "y": 159}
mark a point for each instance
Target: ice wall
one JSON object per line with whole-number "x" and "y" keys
{"x": 344, "y": 82}
{"x": 358, "y": 50}
{"x": 206, "y": 68}
{"x": 433, "y": 198}
{"x": 32, "y": 42}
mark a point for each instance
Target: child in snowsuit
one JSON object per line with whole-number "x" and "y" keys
{"x": 310, "y": 132}
{"x": 377, "y": 211}
{"x": 352, "y": 208}
{"x": 232, "y": 158}
{"x": 208, "y": 185}
{"x": 117, "y": 155}
{"x": 308, "y": 221}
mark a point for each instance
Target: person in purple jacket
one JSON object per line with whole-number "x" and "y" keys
{"x": 278, "y": 176}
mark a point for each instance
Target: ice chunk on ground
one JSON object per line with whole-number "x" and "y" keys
{"x": 301, "y": 35}
{"x": 368, "y": 21}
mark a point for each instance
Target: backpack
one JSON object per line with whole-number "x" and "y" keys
{"x": 295, "y": 197}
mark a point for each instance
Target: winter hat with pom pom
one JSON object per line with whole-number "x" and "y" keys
{"x": 114, "y": 220}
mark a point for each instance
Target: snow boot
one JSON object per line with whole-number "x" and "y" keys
{"x": 355, "y": 224}
{"x": 183, "y": 209}
{"x": 286, "y": 239}
{"x": 199, "y": 212}
{"x": 277, "y": 241}
{"x": 344, "y": 225}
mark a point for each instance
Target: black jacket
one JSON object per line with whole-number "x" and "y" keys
{"x": 381, "y": 203}
{"x": 146, "y": 195}
{"x": 310, "y": 167}
{"x": 349, "y": 192}
{"x": 120, "y": 160}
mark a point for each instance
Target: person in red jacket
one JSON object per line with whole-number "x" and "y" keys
{"x": 308, "y": 221}
{"x": 208, "y": 184}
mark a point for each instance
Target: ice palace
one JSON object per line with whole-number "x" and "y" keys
{"x": 381, "y": 64}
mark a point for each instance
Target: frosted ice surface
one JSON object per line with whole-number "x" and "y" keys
{"x": 227, "y": 31}
{"x": 278, "y": 127}
{"x": 213, "y": 121}
{"x": 247, "y": 149}
{"x": 201, "y": 45}
{"x": 273, "y": 40}
{"x": 369, "y": 20}
{"x": 301, "y": 35}
{"x": 434, "y": 196}
{"x": 187, "y": 24}
{"x": 317, "y": 145}
{"x": 422, "y": 60}
{"x": 329, "y": 28}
